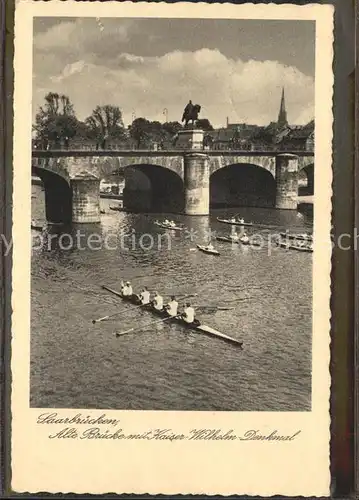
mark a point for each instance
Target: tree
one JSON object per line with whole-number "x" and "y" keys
{"x": 171, "y": 128}
{"x": 55, "y": 122}
{"x": 204, "y": 124}
{"x": 105, "y": 122}
{"x": 140, "y": 131}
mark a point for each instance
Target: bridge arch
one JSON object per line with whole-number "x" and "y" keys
{"x": 242, "y": 184}
{"x": 58, "y": 195}
{"x": 218, "y": 162}
{"x": 152, "y": 188}
{"x": 306, "y": 180}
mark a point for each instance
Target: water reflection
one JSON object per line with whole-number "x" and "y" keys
{"x": 167, "y": 368}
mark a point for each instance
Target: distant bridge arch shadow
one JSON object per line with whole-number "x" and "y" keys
{"x": 58, "y": 194}
{"x": 152, "y": 188}
{"x": 306, "y": 180}
{"x": 242, "y": 184}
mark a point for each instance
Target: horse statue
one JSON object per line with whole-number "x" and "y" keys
{"x": 190, "y": 113}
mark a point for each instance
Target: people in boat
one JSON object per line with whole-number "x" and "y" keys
{"x": 172, "y": 306}
{"x": 188, "y": 315}
{"x": 232, "y": 219}
{"x": 245, "y": 238}
{"x": 210, "y": 247}
{"x": 241, "y": 221}
{"x": 145, "y": 296}
{"x": 172, "y": 223}
{"x": 127, "y": 289}
{"x": 235, "y": 236}
{"x": 157, "y": 302}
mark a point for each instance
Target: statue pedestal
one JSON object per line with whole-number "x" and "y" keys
{"x": 190, "y": 139}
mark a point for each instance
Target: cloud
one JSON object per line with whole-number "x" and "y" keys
{"x": 244, "y": 91}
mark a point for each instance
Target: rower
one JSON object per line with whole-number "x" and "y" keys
{"x": 172, "y": 223}
{"x": 145, "y": 296}
{"x": 189, "y": 315}
{"x": 157, "y": 302}
{"x": 172, "y": 306}
{"x": 210, "y": 246}
{"x": 245, "y": 238}
{"x": 127, "y": 290}
{"x": 122, "y": 287}
{"x": 235, "y": 236}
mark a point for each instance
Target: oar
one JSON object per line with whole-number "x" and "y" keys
{"x": 104, "y": 318}
{"x": 145, "y": 326}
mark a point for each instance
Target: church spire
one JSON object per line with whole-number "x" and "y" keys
{"x": 282, "y": 117}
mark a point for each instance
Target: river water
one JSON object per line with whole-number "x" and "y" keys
{"x": 75, "y": 364}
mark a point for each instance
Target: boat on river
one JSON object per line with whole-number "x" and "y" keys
{"x": 204, "y": 329}
{"x": 165, "y": 225}
{"x": 36, "y": 226}
{"x": 294, "y": 236}
{"x": 205, "y": 249}
{"x": 235, "y": 222}
{"x": 290, "y": 246}
{"x": 117, "y": 208}
{"x": 228, "y": 239}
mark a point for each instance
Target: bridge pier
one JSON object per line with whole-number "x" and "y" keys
{"x": 286, "y": 174}
{"x": 196, "y": 184}
{"x": 85, "y": 199}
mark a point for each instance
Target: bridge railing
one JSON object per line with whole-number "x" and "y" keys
{"x": 169, "y": 147}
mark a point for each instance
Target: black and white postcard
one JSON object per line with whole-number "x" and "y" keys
{"x": 171, "y": 248}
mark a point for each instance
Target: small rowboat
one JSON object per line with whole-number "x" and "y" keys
{"x": 293, "y": 236}
{"x": 301, "y": 248}
{"x": 117, "y": 209}
{"x": 207, "y": 250}
{"x": 288, "y": 246}
{"x": 234, "y": 223}
{"x": 228, "y": 239}
{"x": 207, "y": 330}
{"x": 167, "y": 226}
{"x": 36, "y": 226}
{"x": 251, "y": 242}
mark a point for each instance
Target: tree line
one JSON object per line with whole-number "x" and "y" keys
{"x": 57, "y": 126}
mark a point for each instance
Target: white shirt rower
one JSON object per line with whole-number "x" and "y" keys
{"x": 127, "y": 290}
{"x": 158, "y": 302}
{"x": 188, "y": 314}
{"x": 245, "y": 238}
{"x": 235, "y": 237}
{"x": 210, "y": 246}
{"x": 172, "y": 307}
{"x": 145, "y": 296}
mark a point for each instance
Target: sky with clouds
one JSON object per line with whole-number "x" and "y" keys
{"x": 232, "y": 68}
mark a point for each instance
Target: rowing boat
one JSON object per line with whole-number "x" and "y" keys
{"x": 117, "y": 209}
{"x": 36, "y": 226}
{"x": 299, "y": 248}
{"x": 207, "y": 330}
{"x": 207, "y": 250}
{"x": 228, "y": 239}
{"x": 234, "y": 223}
{"x": 293, "y": 236}
{"x": 167, "y": 226}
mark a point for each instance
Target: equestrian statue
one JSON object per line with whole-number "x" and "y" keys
{"x": 190, "y": 113}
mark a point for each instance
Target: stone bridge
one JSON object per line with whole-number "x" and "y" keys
{"x": 186, "y": 181}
